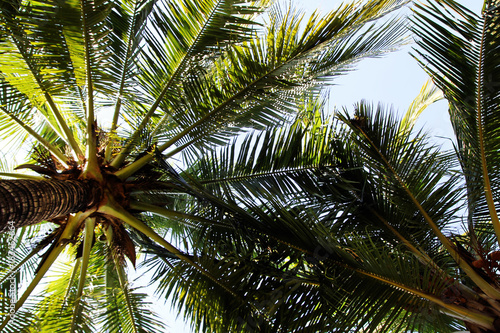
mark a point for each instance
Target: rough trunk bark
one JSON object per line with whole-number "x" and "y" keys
{"x": 27, "y": 202}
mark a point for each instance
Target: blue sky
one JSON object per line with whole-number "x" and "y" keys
{"x": 393, "y": 80}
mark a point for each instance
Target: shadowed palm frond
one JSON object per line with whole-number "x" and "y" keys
{"x": 460, "y": 51}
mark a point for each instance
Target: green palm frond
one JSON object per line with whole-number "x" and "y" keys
{"x": 23, "y": 319}
{"x": 460, "y": 51}
{"x": 61, "y": 308}
{"x": 252, "y": 78}
{"x": 56, "y": 311}
{"x": 37, "y": 64}
{"x": 375, "y": 205}
{"x": 428, "y": 95}
{"x": 118, "y": 317}
{"x": 278, "y": 151}
{"x": 240, "y": 89}
{"x": 302, "y": 285}
{"x": 408, "y": 179}
{"x": 178, "y": 39}
{"x": 351, "y": 253}
{"x": 86, "y": 36}
{"x": 128, "y": 20}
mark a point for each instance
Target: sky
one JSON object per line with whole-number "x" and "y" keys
{"x": 393, "y": 80}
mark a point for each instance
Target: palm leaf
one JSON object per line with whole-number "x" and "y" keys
{"x": 250, "y": 77}
{"x": 461, "y": 49}
{"x": 179, "y": 37}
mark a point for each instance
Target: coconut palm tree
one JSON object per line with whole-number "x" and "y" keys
{"x": 178, "y": 79}
{"x": 357, "y": 222}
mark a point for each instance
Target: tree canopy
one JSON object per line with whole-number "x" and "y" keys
{"x": 223, "y": 175}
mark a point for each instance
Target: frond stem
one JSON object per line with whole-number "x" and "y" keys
{"x": 20, "y": 176}
{"x": 92, "y": 166}
{"x": 87, "y": 245}
{"x": 460, "y": 312}
{"x": 62, "y": 122}
{"x": 261, "y": 174}
{"x": 173, "y": 214}
{"x": 54, "y": 150}
{"x": 72, "y": 279}
{"x": 16, "y": 33}
{"x": 421, "y": 255}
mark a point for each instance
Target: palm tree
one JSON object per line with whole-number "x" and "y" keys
{"x": 180, "y": 78}
{"x": 356, "y": 222}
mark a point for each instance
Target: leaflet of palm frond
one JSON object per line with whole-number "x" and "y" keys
{"x": 401, "y": 172}
{"x": 485, "y": 238}
{"x": 316, "y": 163}
{"x": 129, "y": 312}
{"x": 208, "y": 33}
{"x": 272, "y": 87}
{"x": 196, "y": 190}
{"x": 348, "y": 253}
{"x": 86, "y": 35}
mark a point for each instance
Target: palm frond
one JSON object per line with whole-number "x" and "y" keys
{"x": 404, "y": 175}
{"x": 459, "y": 49}
{"x": 428, "y": 95}
{"x": 252, "y": 86}
{"x": 129, "y": 312}
{"x": 37, "y": 63}
{"x": 179, "y": 37}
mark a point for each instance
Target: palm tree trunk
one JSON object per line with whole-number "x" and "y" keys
{"x": 26, "y": 201}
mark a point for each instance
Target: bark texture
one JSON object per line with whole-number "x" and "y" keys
{"x": 27, "y": 202}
